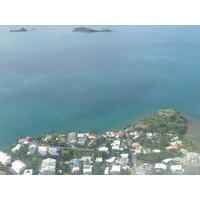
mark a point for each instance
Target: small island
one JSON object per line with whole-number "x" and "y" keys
{"x": 89, "y": 30}
{"x": 20, "y": 30}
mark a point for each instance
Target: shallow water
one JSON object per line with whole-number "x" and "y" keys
{"x": 95, "y": 81}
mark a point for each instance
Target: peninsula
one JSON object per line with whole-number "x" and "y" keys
{"x": 155, "y": 145}
{"x": 20, "y": 30}
{"x": 89, "y": 30}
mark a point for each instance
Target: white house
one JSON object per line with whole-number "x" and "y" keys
{"x": 82, "y": 135}
{"x": 99, "y": 159}
{"x": 87, "y": 169}
{"x": 104, "y": 149}
{"x": 106, "y": 171}
{"x": 124, "y": 155}
{"x": 116, "y": 169}
{"x": 32, "y": 149}
{"x": 110, "y": 134}
{"x": 4, "y": 158}
{"x": 48, "y": 167}
{"x": 16, "y": 148}
{"x": 160, "y": 166}
{"x": 149, "y": 135}
{"x": 156, "y": 150}
{"x": 111, "y": 159}
{"x": 176, "y": 168}
{"x": 167, "y": 160}
{"x": 28, "y": 172}
{"x": 18, "y": 166}
{"x": 42, "y": 150}
{"x": 54, "y": 151}
{"x": 75, "y": 170}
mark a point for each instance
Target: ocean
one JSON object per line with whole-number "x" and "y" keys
{"x": 99, "y": 81}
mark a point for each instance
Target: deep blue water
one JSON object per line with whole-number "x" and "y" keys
{"x": 96, "y": 81}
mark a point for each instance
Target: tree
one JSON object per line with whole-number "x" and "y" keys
{"x": 97, "y": 169}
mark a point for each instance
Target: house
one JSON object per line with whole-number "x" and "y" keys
{"x": 47, "y": 137}
{"x": 75, "y": 170}
{"x": 183, "y": 151}
{"x": 74, "y": 161}
{"x": 119, "y": 133}
{"x": 143, "y": 170}
{"x": 24, "y": 140}
{"x": 81, "y": 135}
{"x": 18, "y": 166}
{"x": 87, "y": 169}
{"x": 104, "y": 149}
{"x": 137, "y": 151}
{"x": 146, "y": 150}
{"x": 167, "y": 160}
{"x": 54, "y": 151}
{"x": 138, "y": 134}
{"x": 42, "y": 150}
{"x": 82, "y": 140}
{"x": 110, "y": 134}
{"x": 156, "y": 150}
{"x": 177, "y": 159}
{"x": 124, "y": 155}
{"x": 149, "y": 135}
{"x": 135, "y": 144}
{"x": 157, "y": 135}
{"x": 160, "y": 166}
{"x": 176, "y": 168}
{"x": 16, "y": 148}
{"x": 71, "y": 137}
{"x": 99, "y": 159}
{"x": 32, "y": 149}
{"x": 28, "y": 172}
{"x": 123, "y": 161}
{"x": 169, "y": 147}
{"x": 111, "y": 159}
{"x": 192, "y": 158}
{"x": 48, "y": 167}
{"x": 4, "y": 158}
{"x": 115, "y": 170}
{"x": 86, "y": 159}
{"x": 106, "y": 171}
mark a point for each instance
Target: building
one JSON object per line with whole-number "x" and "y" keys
{"x": 149, "y": 135}
{"x": 106, "y": 171}
{"x": 176, "y": 168}
{"x": 110, "y": 134}
{"x": 156, "y": 151}
{"x": 104, "y": 149}
{"x": 48, "y": 137}
{"x": 82, "y": 135}
{"x": 75, "y": 170}
{"x": 28, "y": 172}
{"x": 183, "y": 151}
{"x": 32, "y": 149}
{"x": 54, "y": 151}
{"x": 24, "y": 140}
{"x": 72, "y": 137}
{"x": 157, "y": 135}
{"x": 115, "y": 170}
{"x": 87, "y": 169}
{"x": 2, "y": 173}
{"x": 16, "y": 148}
{"x": 18, "y": 166}
{"x": 167, "y": 160}
{"x": 42, "y": 150}
{"x": 146, "y": 150}
{"x": 99, "y": 159}
{"x": 137, "y": 151}
{"x": 111, "y": 159}
{"x": 160, "y": 166}
{"x": 135, "y": 144}
{"x": 82, "y": 140}
{"x": 48, "y": 167}
{"x": 4, "y": 158}
{"x": 143, "y": 170}
{"x": 192, "y": 158}
{"x": 119, "y": 133}
{"x": 124, "y": 155}
{"x": 138, "y": 134}
{"x": 86, "y": 159}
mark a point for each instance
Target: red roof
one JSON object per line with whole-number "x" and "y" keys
{"x": 120, "y": 133}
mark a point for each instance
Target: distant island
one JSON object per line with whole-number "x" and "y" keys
{"x": 89, "y": 30}
{"x": 20, "y": 30}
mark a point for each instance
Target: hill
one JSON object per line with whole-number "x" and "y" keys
{"x": 163, "y": 121}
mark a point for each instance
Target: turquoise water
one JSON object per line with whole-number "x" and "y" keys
{"x": 95, "y": 81}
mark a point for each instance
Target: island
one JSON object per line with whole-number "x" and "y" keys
{"x": 154, "y": 145}
{"x": 89, "y": 30}
{"x": 20, "y": 30}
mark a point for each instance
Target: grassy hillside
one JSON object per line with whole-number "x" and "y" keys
{"x": 163, "y": 121}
